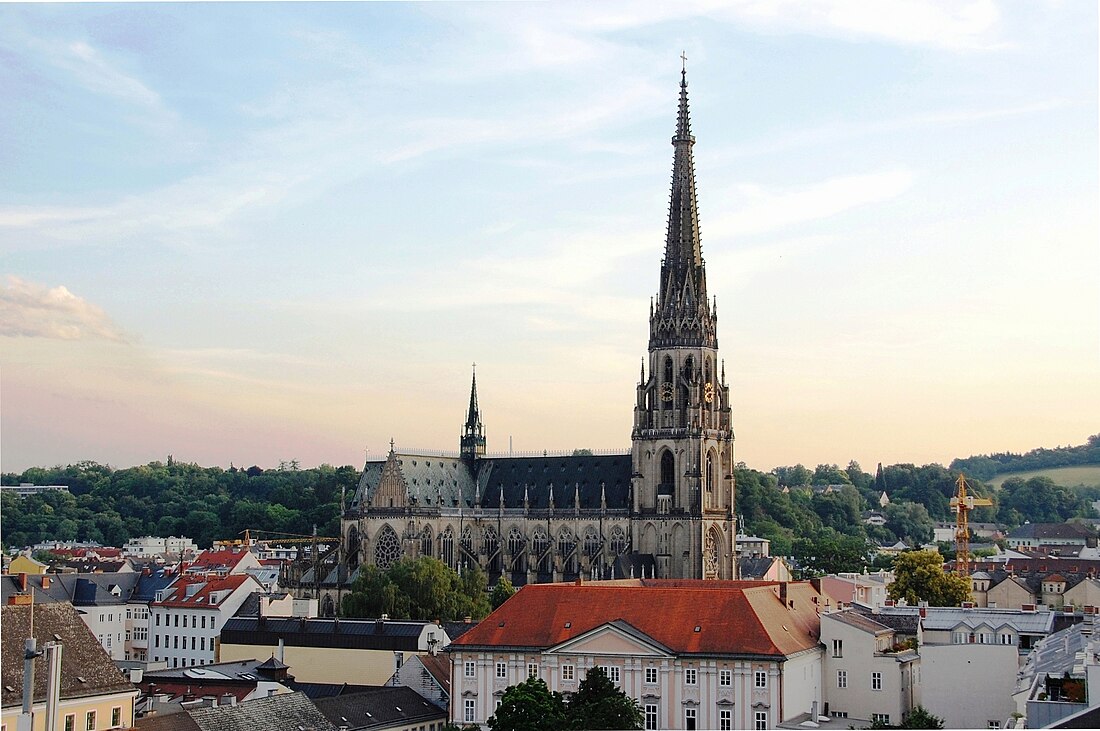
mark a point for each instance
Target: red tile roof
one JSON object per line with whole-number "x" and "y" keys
{"x": 733, "y": 617}
{"x": 225, "y": 558}
{"x": 176, "y": 594}
{"x": 440, "y": 668}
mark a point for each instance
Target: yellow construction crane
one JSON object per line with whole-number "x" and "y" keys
{"x": 962, "y": 504}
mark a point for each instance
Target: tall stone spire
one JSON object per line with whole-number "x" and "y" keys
{"x": 473, "y": 433}
{"x": 683, "y": 316}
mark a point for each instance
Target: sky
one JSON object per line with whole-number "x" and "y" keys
{"x": 250, "y": 233}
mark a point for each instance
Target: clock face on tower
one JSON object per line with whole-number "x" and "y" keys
{"x": 666, "y": 392}
{"x": 708, "y": 393}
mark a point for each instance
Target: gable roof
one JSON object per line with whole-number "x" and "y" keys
{"x": 859, "y": 621}
{"x": 176, "y": 595}
{"x": 384, "y": 706}
{"x": 223, "y": 559}
{"x": 282, "y": 712}
{"x": 86, "y": 668}
{"x": 696, "y": 617}
{"x": 1052, "y": 531}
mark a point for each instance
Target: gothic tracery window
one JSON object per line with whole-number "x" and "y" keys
{"x": 426, "y": 541}
{"x": 566, "y": 545}
{"x": 447, "y": 547}
{"x": 387, "y": 548}
{"x": 491, "y": 544}
{"x": 467, "y": 542}
{"x": 540, "y": 546}
{"x": 591, "y": 542}
{"x": 618, "y": 540}
{"x": 516, "y": 544}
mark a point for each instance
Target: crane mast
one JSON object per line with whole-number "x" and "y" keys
{"x": 962, "y": 504}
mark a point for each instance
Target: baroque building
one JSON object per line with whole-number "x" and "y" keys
{"x": 665, "y": 509}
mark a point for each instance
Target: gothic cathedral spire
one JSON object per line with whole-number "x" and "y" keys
{"x": 473, "y": 433}
{"x": 683, "y": 315}
{"x": 683, "y": 441}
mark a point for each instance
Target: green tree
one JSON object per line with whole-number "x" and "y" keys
{"x": 919, "y": 576}
{"x": 910, "y": 522}
{"x": 829, "y": 553}
{"x": 529, "y": 706}
{"x": 501, "y": 592}
{"x": 599, "y": 704}
{"x": 918, "y": 718}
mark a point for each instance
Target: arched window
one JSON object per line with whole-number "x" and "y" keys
{"x": 566, "y": 545}
{"x": 591, "y": 542}
{"x": 689, "y": 368}
{"x": 491, "y": 546}
{"x": 328, "y": 606}
{"x": 426, "y": 541}
{"x": 516, "y": 544}
{"x": 668, "y": 473}
{"x": 540, "y": 546}
{"x": 618, "y": 540}
{"x": 354, "y": 546}
{"x": 387, "y": 548}
{"x": 447, "y": 547}
{"x": 710, "y": 472}
{"x": 467, "y": 544}
{"x": 668, "y": 386}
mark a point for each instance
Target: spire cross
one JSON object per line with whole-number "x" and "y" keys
{"x": 684, "y": 58}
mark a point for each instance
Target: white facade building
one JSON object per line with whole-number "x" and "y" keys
{"x": 188, "y": 617}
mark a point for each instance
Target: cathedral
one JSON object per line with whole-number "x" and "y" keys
{"x": 664, "y": 509}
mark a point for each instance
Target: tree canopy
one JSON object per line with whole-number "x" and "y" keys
{"x": 529, "y": 706}
{"x": 421, "y": 588}
{"x": 919, "y": 576}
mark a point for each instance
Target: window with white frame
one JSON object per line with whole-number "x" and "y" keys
{"x": 882, "y": 718}
{"x": 468, "y": 713}
{"x": 532, "y": 670}
{"x": 690, "y": 676}
{"x": 842, "y": 678}
{"x": 838, "y": 714}
{"x": 89, "y": 721}
{"x": 760, "y": 679}
{"x": 689, "y": 719}
{"x": 70, "y": 722}
{"x": 1006, "y": 638}
{"x": 760, "y": 721}
{"x": 567, "y": 672}
{"x": 116, "y": 716}
{"x": 725, "y": 677}
{"x": 469, "y": 669}
{"x": 838, "y": 648}
{"x": 992, "y": 724}
{"x": 612, "y": 673}
{"x": 876, "y": 681}
{"x": 502, "y": 670}
{"x": 651, "y": 716}
{"x": 725, "y": 719}
{"x": 651, "y": 675}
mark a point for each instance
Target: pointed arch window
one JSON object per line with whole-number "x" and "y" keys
{"x": 516, "y": 544}
{"x": 668, "y": 473}
{"x": 426, "y": 541}
{"x": 467, "y": 542}
{"x": 591, "y": 542}
{"x": 567, "y": 545}
{"x": 540, "y": 546}
{"x": 354, "y": 546}
{"x": 710, "y": 472}
{"x": 618, "y": 540}
{"x": 447, "y": 547}
{"x": 491, "y": 545}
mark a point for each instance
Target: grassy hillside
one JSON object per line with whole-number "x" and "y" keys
{"x": 1088, "y": 475}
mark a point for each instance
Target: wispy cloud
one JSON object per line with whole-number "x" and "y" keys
{"x": 28, "y": 309}
{"x": 759, "y": 210}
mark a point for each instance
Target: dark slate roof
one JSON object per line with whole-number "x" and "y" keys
{"x": 363, "y": 634}
{"x": 283, "y": 712}
{"x": 148, "y": 586}
{"x": 566, "y": 474}
{"x": 750, "y": 567}
{"x": 86, "y": 668}
{"x": 314, "y": 691}
{"x": 1049, "y": 531}
{"x": 634, "y": 565}
{"x": 385, "y": 706}
{"x": 168, "y": 722}
{"x": 431, "y": 478}
{"x": 455, "y": 630}
{"x": 63, "y": 588}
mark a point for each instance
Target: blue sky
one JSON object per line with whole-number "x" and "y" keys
{"x": 258, "y": 232}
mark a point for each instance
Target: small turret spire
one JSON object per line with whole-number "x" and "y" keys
{"x": 473, "y": 433}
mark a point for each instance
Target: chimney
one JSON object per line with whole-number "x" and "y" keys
{"x": 147, "y": 571}
{"x": 968, "y": 605}
{"x": 889, "y": 603}
{"x": 783, "y": 592}
{"x": 136, "y": 674}
{"x": 923, "y": 612}
{"x": 22, "y": 581}
{"x": 228, "y": 699}
{"x": 467, "y": 619}
{"x": 280, "y": 650}
{"x": 1027, "y": 607}
{"x": 45, "y": 581}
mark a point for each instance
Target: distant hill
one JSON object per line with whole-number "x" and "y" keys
{"x": 988, "y": 466}
{"x": 1087, "y": 475}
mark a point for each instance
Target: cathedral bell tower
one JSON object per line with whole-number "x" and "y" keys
{"x": 682, "y": 449}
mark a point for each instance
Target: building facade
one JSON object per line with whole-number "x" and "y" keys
{"x": 664, "y": 508}
{"x": 720, "y": 655}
